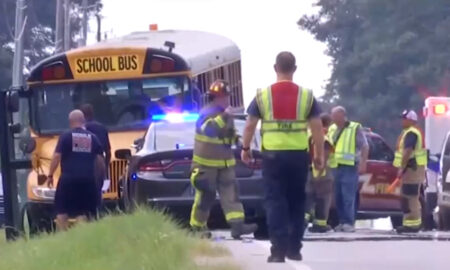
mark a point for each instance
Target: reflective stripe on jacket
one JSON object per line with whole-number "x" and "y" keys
{"x": 214, "y": 137}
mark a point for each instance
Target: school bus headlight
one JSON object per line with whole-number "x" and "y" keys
{"x": 44, "y": 192}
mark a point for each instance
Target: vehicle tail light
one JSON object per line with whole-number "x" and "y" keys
{"x": 151, "y": 167}
{"x": 440, "y": 109}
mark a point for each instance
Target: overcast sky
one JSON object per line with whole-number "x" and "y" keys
{"x": 260, "y": 28}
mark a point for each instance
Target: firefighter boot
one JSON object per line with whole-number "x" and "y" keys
{"x": 203, "y": 233}
{"x": 239, "y": 228}
{"x": 320, "y": 229}
{"x": 406, "y": 229}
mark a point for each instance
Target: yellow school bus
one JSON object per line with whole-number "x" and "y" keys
{"x": 126, "y": 80}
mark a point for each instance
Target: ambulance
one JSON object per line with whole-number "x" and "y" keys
{"x": 437, "y": 141}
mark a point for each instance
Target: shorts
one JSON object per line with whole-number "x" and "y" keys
{"x": 76, "y": 197}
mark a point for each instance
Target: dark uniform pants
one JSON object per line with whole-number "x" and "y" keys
{"x": 318, "y": 199}
{"x": 411, "y": 181}
{"x": 207, "y": 181}
{"x": 285, "y": 174}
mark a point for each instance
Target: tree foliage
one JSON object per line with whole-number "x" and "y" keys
{"x": 388, "y": 55}
{"x": 38, "y": 34}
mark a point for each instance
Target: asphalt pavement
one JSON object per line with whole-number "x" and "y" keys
{"x": 367, "y": 249}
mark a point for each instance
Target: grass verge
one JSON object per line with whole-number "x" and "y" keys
{"x": 141, "y": 241}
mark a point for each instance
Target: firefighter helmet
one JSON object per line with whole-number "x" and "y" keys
{"x": 219, "y": 88}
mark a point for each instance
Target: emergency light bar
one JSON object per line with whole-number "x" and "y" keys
{"x": 176, "y": 117}
{"x": 440, "y": 109}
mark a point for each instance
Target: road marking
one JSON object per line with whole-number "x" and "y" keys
{"x": 295, "y": 265}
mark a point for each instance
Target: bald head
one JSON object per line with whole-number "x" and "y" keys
{"x": 285, "y": 63}
{"x": 339, "y": 115}
{"x": 76, "y": 119}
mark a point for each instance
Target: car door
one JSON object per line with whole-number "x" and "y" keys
{"x": 380, "y": 174}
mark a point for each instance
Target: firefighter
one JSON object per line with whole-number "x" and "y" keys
{"x": 411, "y": 160}
{"x": 285, "y": 110}
{"x": 214, "y": 163}
{"x": 351, "y": 154}
{"x": 320, "y": 185}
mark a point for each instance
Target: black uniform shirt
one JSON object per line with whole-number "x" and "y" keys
{"x": 78, "y": 148}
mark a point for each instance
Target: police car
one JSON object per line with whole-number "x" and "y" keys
{"x": 158, "y": 173}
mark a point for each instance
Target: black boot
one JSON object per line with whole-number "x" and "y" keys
{"x": 275, "y": 259}
{"x": 320, "y": 229}
{"x": 239, "y": 228}
{"x": 405, "y": 229}
{"x": 297, "y": 256}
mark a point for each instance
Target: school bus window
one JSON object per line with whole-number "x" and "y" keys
{"x": 125, "y": 104}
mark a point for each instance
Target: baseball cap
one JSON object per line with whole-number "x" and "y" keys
{"x": 409, "y": 115}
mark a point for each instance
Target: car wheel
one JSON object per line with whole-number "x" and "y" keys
{"x": 262, "y": 232}
{"x": 444, "y": 218}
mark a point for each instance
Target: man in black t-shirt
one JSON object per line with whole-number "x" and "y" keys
{"x": 101, "y": 132}
{"x": 80, "y": 155}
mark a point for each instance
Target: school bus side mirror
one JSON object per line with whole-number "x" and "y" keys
{"x": 123, "y": 153}
{"x": 12, "y": 101}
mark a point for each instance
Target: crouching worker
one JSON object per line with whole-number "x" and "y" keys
{"x": 319, "y": 187}
{"x": 81, "y": 157}
{"x": 213, "y": 166}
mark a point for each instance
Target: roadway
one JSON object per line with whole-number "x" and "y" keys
{"x": 367, "y": 249}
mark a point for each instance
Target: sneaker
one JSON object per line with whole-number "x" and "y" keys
{"x": 347, "y": 228}
{"x": 275, "y": 259}
{"x": 404, "y": 229}
{"x": 320, "y": 229}
{"x": 338, "y": 228}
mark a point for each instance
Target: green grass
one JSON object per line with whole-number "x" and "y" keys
{"x": 141, "y": 241}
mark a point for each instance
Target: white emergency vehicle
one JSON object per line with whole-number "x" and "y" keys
{"x": 437, "y": 141}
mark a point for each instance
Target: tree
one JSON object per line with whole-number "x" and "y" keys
{"x": 39, "y": 31}
{"x": 387, "y": 55}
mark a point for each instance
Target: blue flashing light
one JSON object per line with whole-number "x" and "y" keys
{"x": 134, "y": 177}
{"x": 176, "y": 117}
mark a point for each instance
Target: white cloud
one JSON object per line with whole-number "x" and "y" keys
{"x": 260, "y": 28}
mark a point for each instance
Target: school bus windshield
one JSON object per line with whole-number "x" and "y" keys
{"x": 118, "y": 104}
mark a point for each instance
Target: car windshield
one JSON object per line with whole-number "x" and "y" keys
{"x": 172, "y": 135}
{"x": 119, "y": 105}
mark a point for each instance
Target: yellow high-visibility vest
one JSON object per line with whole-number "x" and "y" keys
{"x": 420, "y": 153}
{"x": 280, "y": 134}
{"x": 345, "y": 147}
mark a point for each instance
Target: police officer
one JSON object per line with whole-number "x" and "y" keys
{"x": 80, "y": 155}
{"x": 320, "y": 185}
{"x": 285, "y": 110}
{"x": 351, "y": 153}
{"x": 411, "y": 160}
{"x": 213, "y": 165}
{"x": 101, "y": 132}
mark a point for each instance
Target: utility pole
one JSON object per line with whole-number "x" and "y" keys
{"x": 85, "y": 21}
{"x": 59, "y": 32}
{"x": 66, "y": 25}
{"x": 17, "y": 76}
{"x": 9, "y": 180}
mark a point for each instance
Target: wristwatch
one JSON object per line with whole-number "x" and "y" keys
{"x": 245, "y": 148}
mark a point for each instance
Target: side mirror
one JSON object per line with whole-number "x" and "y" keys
{"x": 27, "y": 145}
{"x": 123, "y": 153}
{"x": 15, "y": 128}
{"x": 12, "y": 101}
